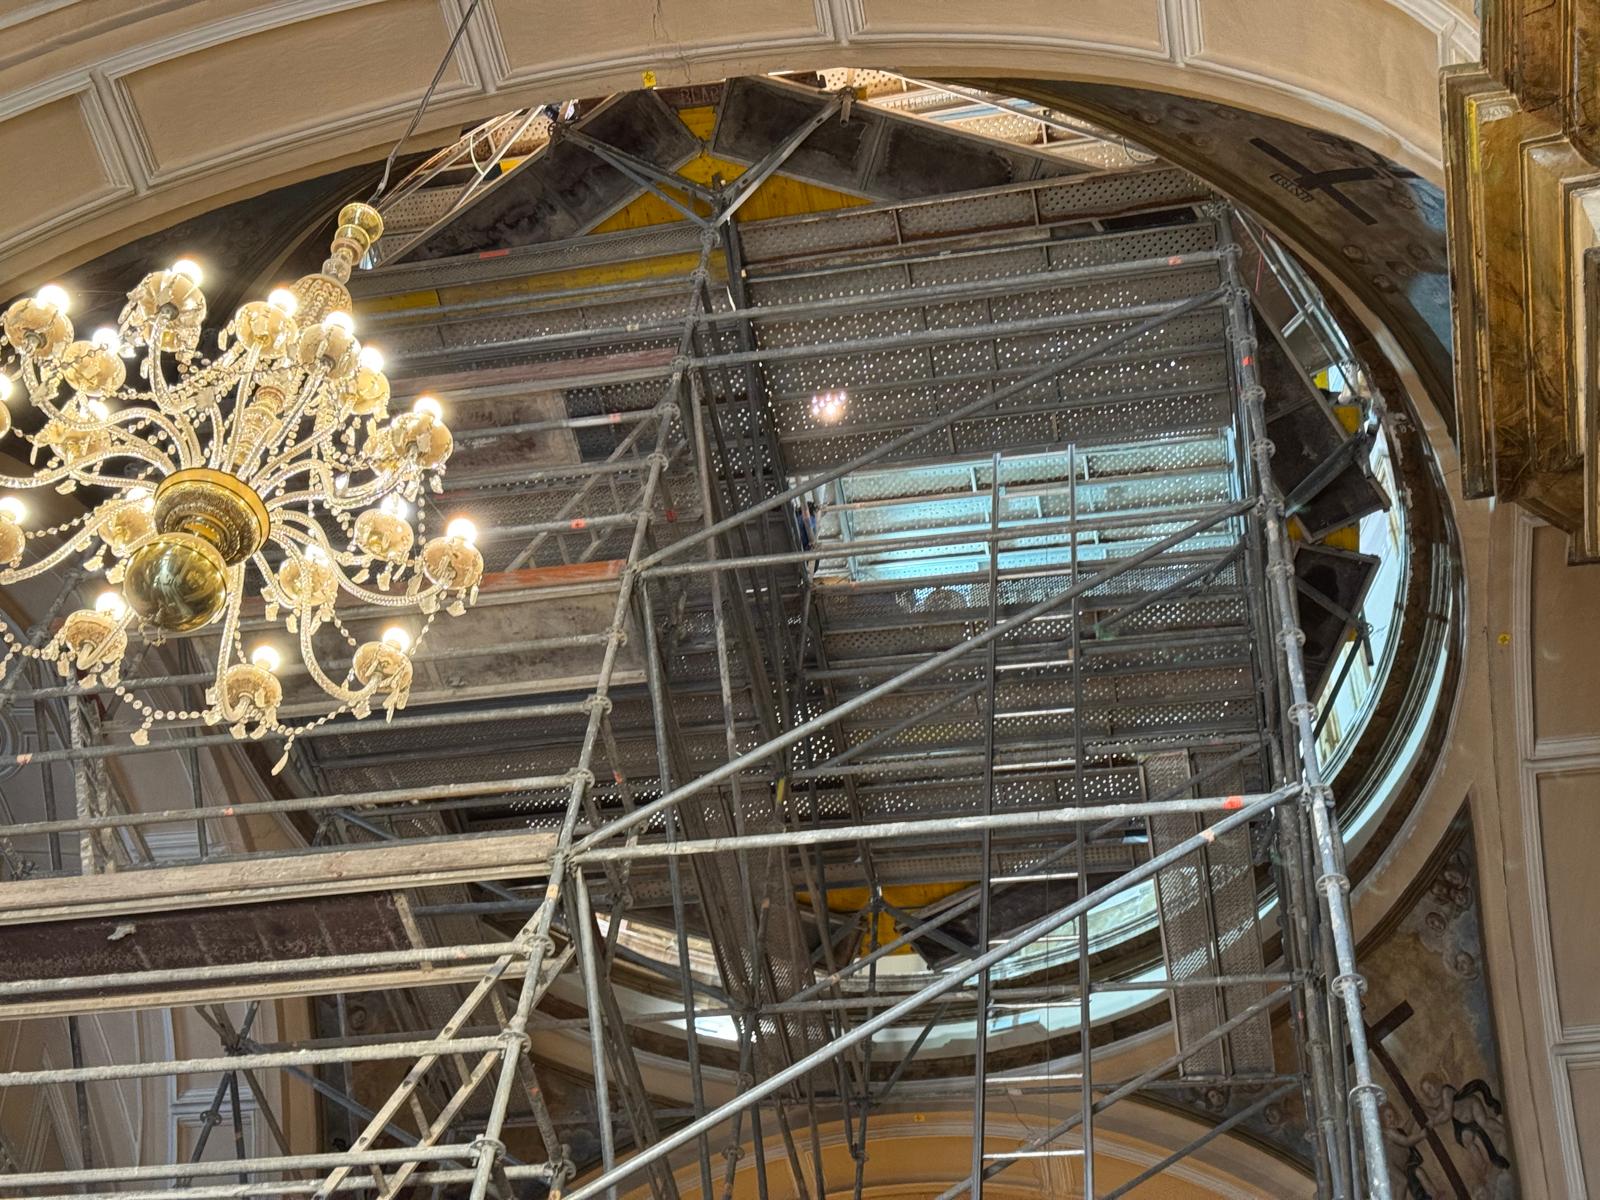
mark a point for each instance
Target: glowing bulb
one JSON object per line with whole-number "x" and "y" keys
{"x": 189, "y": 269}
{"x": 463, "y": 529}
{"x": 7, "y": 386}
{"x": 371, "y": 358}
{"x": 397, "y": 639}
{"x": 111, "y": 604}
{"x": 828, "y": 407}
{"x": 13, "y": 509}
{"x": 315, "y": 553}
{"x": 284, "y": 301}
{"x": 427, "y": 404}
{"x": 98, "y": 410}
{"x": 107, "y": 338}
{"x": 394, "y": 506}
{"x": 341, "y": 484}
{"x": 339, "y": 320}
{"x": 139, "y": 496}
{"x": 55, "y": 295}
{"x": 266, "y": 658}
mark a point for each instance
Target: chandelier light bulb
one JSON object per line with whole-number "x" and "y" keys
{"x": 371, "y": 358}
{"x": 316, "y": 553}
{"x": 107, "y": 338}
{"x": 111, "y": 604}
{"x": 7, "y": 387}
{"x": 189, "y": 269}
{"x": 99, "y": 410}
{"x": 464, "y": 529}
{"x": 427, "y": 404}
{"x": 339, "y": 320}
{"x": 284, "y": 301}
{"x": 56, "y": 295}
{"x": 395, "y": 506}
{"x": 397, "y": 639}
{"x": 265, "y": 657}
{"x": 138, "y": 495}
{"x": 828, "y": 407}
{"x": 13, "y": 509}
{"x": 341, "y": 484}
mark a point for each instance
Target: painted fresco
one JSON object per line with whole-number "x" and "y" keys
{"x": 1433, "y": 1047}
{"x": 1433, "y": 1038}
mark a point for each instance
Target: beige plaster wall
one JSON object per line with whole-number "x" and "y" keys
{"x": 121, "y": 116}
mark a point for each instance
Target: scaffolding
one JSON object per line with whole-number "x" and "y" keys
{"x": 1023, "y": 622}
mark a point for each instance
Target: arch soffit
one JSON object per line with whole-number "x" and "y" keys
{"x": 127, "y": 115}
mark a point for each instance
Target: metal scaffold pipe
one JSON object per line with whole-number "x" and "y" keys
{"x": 948, "y": 982}
{"x": 1333, "y": 884}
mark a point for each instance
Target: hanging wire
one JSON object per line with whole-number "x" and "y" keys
{"x": 422, "y": 105}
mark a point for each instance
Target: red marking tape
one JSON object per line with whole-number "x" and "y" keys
{"x": 579, "y": 523}
{"x": 1248, "y": 360}
{"x": 1174, "y": 260}
{"x": 616, "y": 418}
{"x": 1233, "y": 802}
{"x": 493, "y": 253}
{"x": 671, "y": 514}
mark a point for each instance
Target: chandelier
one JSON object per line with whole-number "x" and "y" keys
{"x": 264, "y": 479}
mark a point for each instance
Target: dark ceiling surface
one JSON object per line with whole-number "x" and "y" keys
{"x": 1365, "y": 220}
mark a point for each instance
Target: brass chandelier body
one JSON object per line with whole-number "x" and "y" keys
{"x": 270, "y": 470}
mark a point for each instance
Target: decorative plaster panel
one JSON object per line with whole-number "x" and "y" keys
{"x": 1565, "y": 652}
{"x": 1584, "y": 1079}
{"x": 1569, "y": 834}
{"x": 531, "y": 46}
{"x": 321, "y": 73}
{"x": 77, "y": 177}
{"x": 1091, "y": 24}
{"x": 1266, "y": 38}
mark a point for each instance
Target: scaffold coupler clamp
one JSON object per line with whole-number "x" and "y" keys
{"x": 1375, "y": 1090}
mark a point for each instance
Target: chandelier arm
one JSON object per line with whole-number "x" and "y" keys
{"x": 361, "y": 495}
{"x": 308, "y": 656}
{"x": 356, "y": 497}
{"x": 118, "y": 482}
{"x": 152, "y": 364}
{"x": 124, "y": 445}
{"x": 39, "y": 479}
{"x": 76, "y": 543}
{"x": 267, "y": 478}
{"x": 30, "y": 374}
{"x": 315, "y": 535}
{"x": 211, "y": 412}
{"x": 381, "y": 599}
{"x": 228, "y": 449}
{"x": 230, "y": 632}
{"x": 376, "y": 599}
{"x": 44, "y": 398}
{"x": 162, "y": 422}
